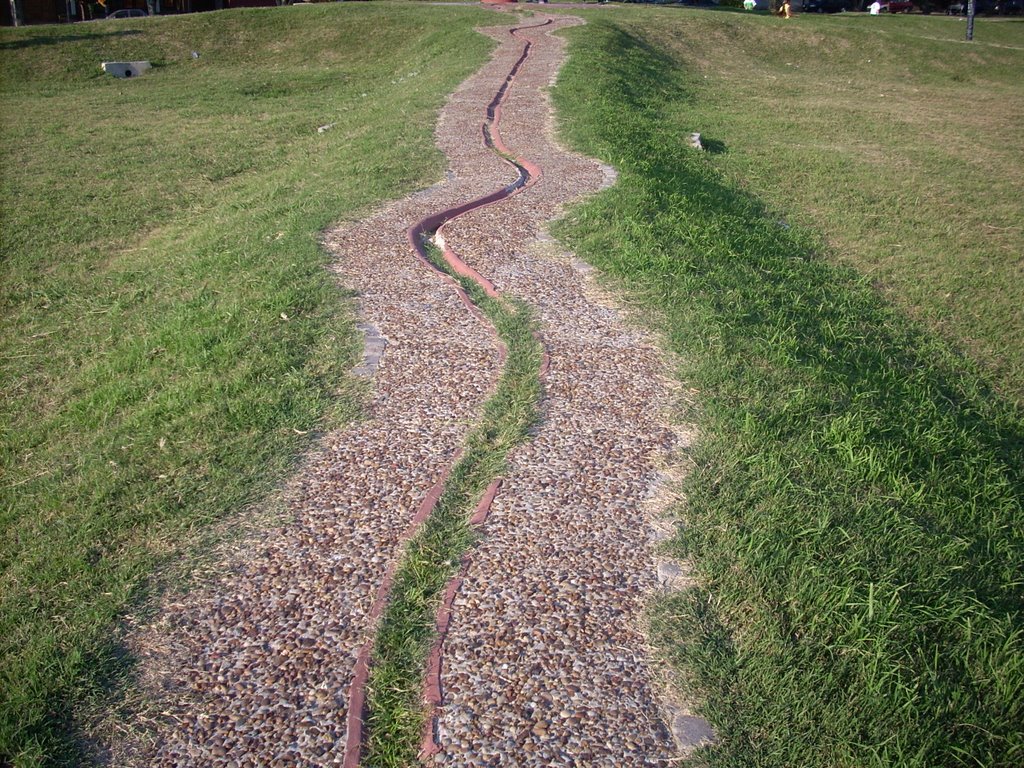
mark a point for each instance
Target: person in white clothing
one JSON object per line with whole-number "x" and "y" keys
{"x": 875, "y": 8}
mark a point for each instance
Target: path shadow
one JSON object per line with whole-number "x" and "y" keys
{"x": 714, "y": 146}
{"x": 38, "y": 40}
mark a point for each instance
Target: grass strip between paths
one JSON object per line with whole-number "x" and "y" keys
{"x": 432, "y": 558}
{"x": 855, "y": 505}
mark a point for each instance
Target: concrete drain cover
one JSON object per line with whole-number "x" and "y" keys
{"x": 125, "y": 68}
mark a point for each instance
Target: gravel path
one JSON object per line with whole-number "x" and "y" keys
{"x": 544, "y": 662}
{"x": 256, "y": 669}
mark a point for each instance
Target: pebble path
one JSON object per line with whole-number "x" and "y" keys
{"x": 543, "y": 662}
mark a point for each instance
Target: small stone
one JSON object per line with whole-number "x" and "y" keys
{"x": 691, "y": 731}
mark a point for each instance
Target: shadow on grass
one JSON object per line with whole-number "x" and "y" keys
{"x": 44, "y": 40}
{"x": 714, "y": 146}
{"x": 62, "y": 731}
{"x": 847, "y": 454}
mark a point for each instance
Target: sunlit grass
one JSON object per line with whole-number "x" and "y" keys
{"x": 171, "y": 338}
{"x": 854, "y": 508}
{"x": 893, "y": 142}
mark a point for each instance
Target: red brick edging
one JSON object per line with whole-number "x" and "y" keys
{"x": 529, "y": 174}
{"x": 419, "y": 235}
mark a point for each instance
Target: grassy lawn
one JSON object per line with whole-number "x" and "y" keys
{"x": 892, "y": 139}
{"x": 169, "y": 333}
{"x": 840, "y": 277}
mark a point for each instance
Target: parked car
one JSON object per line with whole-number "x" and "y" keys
{"x": 897, "y": 6}
{"x": 127, "y": 13}
{"x": 981, "y": 8}
{"x": 827, "y": 6}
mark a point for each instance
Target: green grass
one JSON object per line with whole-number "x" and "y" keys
{"x": 841, "y": 278}
{"x": 855, "y": 505}
{"x": 894, "y": 141}
{"x": 432, "y": 558}
{"x": 169, "y": 330}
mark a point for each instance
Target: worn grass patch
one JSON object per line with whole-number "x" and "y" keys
{"x": 855, "y": 508}
{"x": 170, "y": 333}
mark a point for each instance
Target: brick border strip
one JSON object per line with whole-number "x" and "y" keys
{"x": 361, "y": 673}
{"x": 433, "y": 694}
{"x": 431, "y": 228}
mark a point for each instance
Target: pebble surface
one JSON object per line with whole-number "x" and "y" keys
{"x": 544, "y": 662}
{"x": 255, "y": 669}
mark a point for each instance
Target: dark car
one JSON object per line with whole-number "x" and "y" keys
{"x": 827, "y": 6}
{"x": 897, "y": 6}
{"x": 959, "y": 8}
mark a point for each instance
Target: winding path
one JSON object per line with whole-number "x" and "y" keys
{"x": 542, "y": 661}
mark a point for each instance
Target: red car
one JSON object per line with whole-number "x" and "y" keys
{"x": 897, "y": 6}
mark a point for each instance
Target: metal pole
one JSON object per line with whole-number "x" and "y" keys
{"x": 970, "y": 20}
